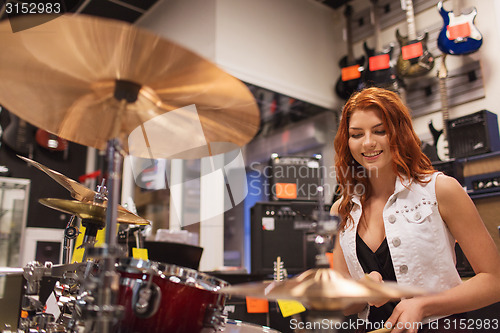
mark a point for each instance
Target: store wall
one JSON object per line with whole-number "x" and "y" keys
{"x": 293, "y": 46}
{"x": 288, "y": 46}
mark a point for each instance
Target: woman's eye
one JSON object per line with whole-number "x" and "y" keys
{"x": 381, "y": 132}
{"x": 356, "y": 135}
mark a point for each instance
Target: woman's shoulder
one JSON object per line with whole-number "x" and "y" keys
{"x": 447, "y": 186}
{"x": 334, "y": 210}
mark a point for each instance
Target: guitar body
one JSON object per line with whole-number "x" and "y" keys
{"x": 19, "y": 136}
{"x": 344, "y": 89}
{"x": 384, "y": 78}
{"x": 50, "y": 141}
{"x": 471, "y": 40}
{"x": 415, "y": 66}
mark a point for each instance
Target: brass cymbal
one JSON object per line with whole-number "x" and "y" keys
{"x": 322, "y": 289}
{"x": 89, "y": 80}
{"x": 91, "y": 211}
{"x": 78, "y": 191}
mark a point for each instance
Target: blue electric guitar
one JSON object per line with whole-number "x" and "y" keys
{"x": 459, "y": 35}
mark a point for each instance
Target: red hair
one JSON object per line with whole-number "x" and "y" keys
{"x": 408, "y": 159}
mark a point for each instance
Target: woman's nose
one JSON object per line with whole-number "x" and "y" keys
{"x": 368, "y": 142}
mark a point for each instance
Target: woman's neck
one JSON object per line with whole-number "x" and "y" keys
{"x": 382, "y": 185}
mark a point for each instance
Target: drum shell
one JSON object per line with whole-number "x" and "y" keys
{"x": 183, "y": 305}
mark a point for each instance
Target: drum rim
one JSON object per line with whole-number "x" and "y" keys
{"x": 187, "y": 276}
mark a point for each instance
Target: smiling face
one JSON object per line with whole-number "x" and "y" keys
{"x": 369, "y": 142}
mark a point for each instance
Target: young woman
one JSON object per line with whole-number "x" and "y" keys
{"x": 400, "y": 220}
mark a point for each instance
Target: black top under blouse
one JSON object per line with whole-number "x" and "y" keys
{"x": 379, "y": 261}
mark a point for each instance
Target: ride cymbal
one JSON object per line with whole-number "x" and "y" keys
{"x": 322, "y": 289}
{"x": 89, "y": 80}
{"x": 90, "y": 211}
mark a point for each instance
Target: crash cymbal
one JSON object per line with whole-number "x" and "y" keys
{"x": 89, "y": 79}
{"x": 322, "y": 289}
{"x": 90, "y": 211}
{"x": 78, "y": 191}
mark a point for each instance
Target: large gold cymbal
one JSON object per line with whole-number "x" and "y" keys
{"x": 323, "y": 289}
{"x": 91, "y": 211}
{"x": 61, "y": 76}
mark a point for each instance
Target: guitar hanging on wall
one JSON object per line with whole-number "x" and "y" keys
{"x": 441, "y": 137}
{"x": 350, "y": 78}
{"x": 19, "y": 136}
{"x": 379, "y": 71}
{"x": 414, "y": 58}
{"x": 459, "y": 35}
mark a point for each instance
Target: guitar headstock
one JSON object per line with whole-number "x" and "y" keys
{"x": 348, "y": 10}
{"x": 280, "y": 272}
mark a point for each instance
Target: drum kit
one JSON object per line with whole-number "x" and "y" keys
{"x": 110, "y": 85}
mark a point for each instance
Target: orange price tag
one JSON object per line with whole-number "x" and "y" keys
{"x": 351, "y": 73}
{"x": 286, "y": 190}
{"x": 412, "y": 51}
{"x": 379, "y": 62}
{"x": 458, "y": 31}
{"x": 257, "y": 305}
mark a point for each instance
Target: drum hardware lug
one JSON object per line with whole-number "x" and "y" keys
{"x": 215, "y": 318}
{"x": 146, "y": 298}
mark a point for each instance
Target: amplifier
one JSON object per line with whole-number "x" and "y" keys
{"x": 283, "y": 229}
{"x": 295, "y": 178}
{"x": 473, "y": 134}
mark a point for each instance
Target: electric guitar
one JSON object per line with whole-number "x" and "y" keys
{"x": 414, "y": 59}
{"x": 19, "y": 136}
{"x": 350, "y": 78}
{"x": 4, "y": 170}
{"x": 441, "y": 136}
{"x": 379, "y": 71}
{"x": 459, "y": 35}
{"x": 50, "y": 141}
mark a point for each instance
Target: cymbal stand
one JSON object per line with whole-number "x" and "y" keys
{"x": 70, "y": 233}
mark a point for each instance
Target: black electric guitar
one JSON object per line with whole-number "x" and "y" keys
{"x": 350, "y": 78}
{"x": 4, "y": 170}
{"x": 379, "y": 70}
{"x": 19, "y": 136}
{"x": 414, "y": 57}
{"x": 441, "y": 136}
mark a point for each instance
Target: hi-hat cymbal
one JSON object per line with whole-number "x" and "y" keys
{"x": 91, "y": 211}
{"x": 89, "y": 80}
{"x": 78, "y": 191}
{"x": 322, "y": 289}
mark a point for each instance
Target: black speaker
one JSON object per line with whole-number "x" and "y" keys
{"x": 295, "y": 178}
{"x": 282, "y": 229}
{"x": 473, "y": 134}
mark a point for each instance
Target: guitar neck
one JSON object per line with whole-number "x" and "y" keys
{"x": 410, "y": 20}
{"x": 444, "y": 104}
{"x": 348, "y": 30}
{"x": 376, "y": 26}
{"x": 443, "y": 93}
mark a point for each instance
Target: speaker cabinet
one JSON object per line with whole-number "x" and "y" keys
{"x": 282, "y": 229}
{"x": 473, "y": 134}
{"x": 488, "y": 206}
{"x": 295, "y": 178}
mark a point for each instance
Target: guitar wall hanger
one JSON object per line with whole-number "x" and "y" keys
{"x": 464, "y": 84}
{"x": 391, "y": 13}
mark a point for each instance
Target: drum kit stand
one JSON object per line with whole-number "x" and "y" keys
{"x": 96, "y": 82}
